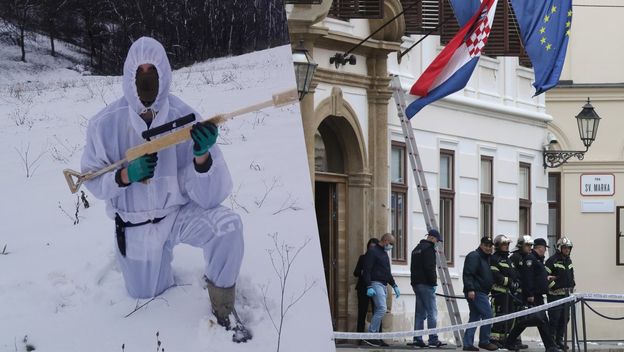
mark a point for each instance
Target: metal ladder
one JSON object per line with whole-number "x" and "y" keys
{"x": 427, "y": 207}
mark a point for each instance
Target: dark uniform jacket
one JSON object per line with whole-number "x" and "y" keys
{"x": 376, "y": 267}
{"x": 503, "y": 271}
{"x": 423, "y": 267}
{"x": 533, "y": 276}
{"x": 477, "y": 273}
{"x": 560, "y": 266}
{"x": 357, "y": 272}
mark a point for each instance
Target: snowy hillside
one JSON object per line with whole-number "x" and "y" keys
{"x": 40, "y": 65}
{"x": 60, "y": 287}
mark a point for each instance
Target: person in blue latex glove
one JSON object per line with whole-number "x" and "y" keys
{"x": 424, "y": 279}
{"x": 376, "y": 275}
{"x": 166, "y": 198}
{"x": 364, "y": 300}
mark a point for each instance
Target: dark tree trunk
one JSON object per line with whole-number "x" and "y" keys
{"x": 52, "y": 51}
{"x": 22, "y": 43}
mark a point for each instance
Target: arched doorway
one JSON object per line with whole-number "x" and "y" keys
{"x": 330, "y": 185}
{"x": 342, "y": 183}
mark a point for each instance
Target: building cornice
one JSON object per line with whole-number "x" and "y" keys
{"x": 597, "y": 92}
{"x": 578, "y": 167}
{"x": 332, "y": 77}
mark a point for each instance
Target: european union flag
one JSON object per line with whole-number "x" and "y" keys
{"x": 545, "y": 29}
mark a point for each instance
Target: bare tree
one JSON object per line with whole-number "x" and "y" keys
{"x": 21, "y": 13}
{"x": 51, "y": 10}
{"x": 282, "y": 258}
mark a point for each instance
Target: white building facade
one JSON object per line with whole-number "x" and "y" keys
{"x": 481, "y": 150}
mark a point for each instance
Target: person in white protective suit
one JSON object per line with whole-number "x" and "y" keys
{"x": 165, "y": 198}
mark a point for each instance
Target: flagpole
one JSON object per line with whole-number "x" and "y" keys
{"x": 341, "y": 58}
{"x": 424, "y": 37}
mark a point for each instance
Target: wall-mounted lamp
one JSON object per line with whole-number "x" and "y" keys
{"x": 304, "y": 69}
{"x": 587, "y": 121}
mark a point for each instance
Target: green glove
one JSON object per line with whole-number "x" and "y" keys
{"x": 204, "y": 136}
{"x": 142, "y": 168}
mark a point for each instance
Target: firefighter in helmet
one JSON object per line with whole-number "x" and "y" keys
{"x": 561, "y": 275}
{"x": 506, "y": 284}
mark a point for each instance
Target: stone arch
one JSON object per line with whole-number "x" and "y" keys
{"x": 340, "y": 116}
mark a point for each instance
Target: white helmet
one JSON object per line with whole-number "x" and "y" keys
{"x": 522, "y": 240}
{"x": 500, "y": 240}
{"x": 564, "y": 242}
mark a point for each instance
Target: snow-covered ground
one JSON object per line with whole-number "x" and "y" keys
{"x": 60, "y": 287}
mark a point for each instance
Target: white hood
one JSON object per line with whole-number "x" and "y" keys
{"x": 147, "y": 50}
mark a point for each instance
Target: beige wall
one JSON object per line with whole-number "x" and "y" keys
{"x": 594, "y": 65}
{"x": 596, "y": 46}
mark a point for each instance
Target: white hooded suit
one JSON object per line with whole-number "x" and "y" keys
{"x": 188, "y": 200}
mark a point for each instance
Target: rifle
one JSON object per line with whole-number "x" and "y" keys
{"x": 76, "y": 179}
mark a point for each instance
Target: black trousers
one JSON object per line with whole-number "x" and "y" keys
{"x": 363, "y": 301}
{"x": 538, "y": 320}
{"x": 558, "y": 318}
{"x": 502, "y": 304}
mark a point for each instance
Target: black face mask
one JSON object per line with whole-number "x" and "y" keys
{"x": 147, "y": 86}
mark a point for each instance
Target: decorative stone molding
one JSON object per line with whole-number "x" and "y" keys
{"x": 394, "y": 31}
{"x": 347, "y": 126}
{"x": 361, "y": 180}
{"x": 308, "y": 15}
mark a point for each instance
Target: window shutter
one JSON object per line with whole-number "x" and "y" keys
{"x": 451, "y": 27}
{"x": 504, "y": 38}
{"x": 347, "y": 9}
{"x": 422, "y": 17}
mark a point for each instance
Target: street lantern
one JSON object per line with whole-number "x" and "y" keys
{"x": 304, "y": 69}
{"x": 587, "y": 121}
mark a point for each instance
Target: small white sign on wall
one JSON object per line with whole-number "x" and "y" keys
{"x": 597, "y": 184}
{"x": 598, "y": 206}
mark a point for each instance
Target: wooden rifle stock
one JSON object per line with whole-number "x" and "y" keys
{"x": 75, "y": 179}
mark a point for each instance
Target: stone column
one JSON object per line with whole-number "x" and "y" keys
{"x": 378, "y": 96}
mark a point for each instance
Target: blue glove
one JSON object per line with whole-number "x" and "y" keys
{"x": 433, "y": 289}
{"x": 204, "y": 136}
{"x": 370, "y": 292}
{"x": 142, "y": 168}
{"x": 397, "y": 293}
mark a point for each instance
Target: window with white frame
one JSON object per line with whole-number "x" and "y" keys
{"x": 487, "y": 196}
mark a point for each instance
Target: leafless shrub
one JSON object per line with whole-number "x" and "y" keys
{"x": 255, "y": 166}
{"x": 234, "y": 200}
{"x": 283, "y": 257}
{"x": 275, "y": 183}
{"x": 64, "y": 151}
{"x": 21, "y": 116}
{"x": 75, "y": 218}
{"x": 30, "y": 166}
{"x": 288, "y": 204}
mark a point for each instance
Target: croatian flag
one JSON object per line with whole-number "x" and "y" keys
{"x": 452, "y": 68}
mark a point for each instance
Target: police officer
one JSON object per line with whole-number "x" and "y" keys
{"x": 559, "y": 267}
{"x": 506, "y": 283}
{"x": 534, "y": 284}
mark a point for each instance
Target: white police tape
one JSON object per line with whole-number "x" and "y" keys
{"x": 413, "y": 333}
